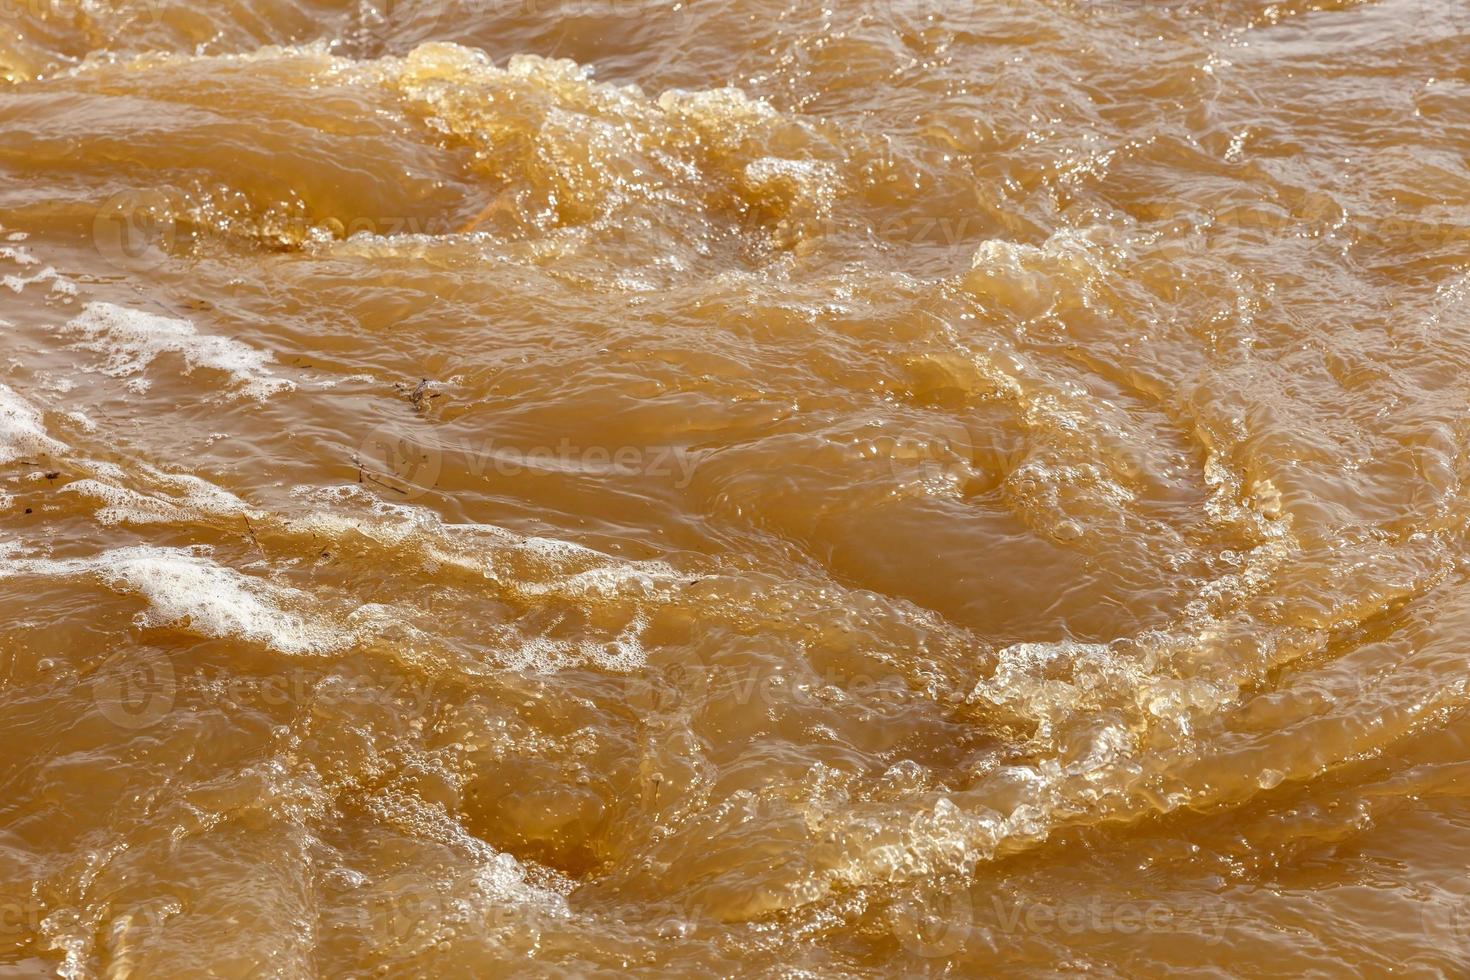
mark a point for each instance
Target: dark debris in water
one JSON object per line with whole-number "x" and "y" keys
{"x": 421, "y": 395}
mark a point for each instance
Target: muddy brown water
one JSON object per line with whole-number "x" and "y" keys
{"x": 588, "y": 488}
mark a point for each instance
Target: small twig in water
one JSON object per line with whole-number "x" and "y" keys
{"x": 388, "y": 486}
{"x": 251, "y": 531}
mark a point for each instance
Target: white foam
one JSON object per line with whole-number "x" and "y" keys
{"x": 133, "y": 339}
{"x": 530, "y": 568}
{"x": 18, "y": 283}
{"x": 623, "y": 653}
{"x": 496, "y": 880}
{"x": 18, "y": 255}
{"x": 124, "y": 506}
{"x": 22, "y": 431}
{"x": 184, "y": 585}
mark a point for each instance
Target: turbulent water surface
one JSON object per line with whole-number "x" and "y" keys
{"x": 735, "y": 487}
